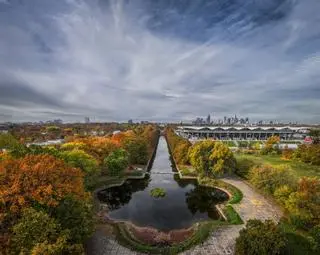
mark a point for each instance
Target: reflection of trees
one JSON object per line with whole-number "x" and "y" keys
{"x": 184, "y": 182}
{"x": 116, "y": 197}
{"x": 203, "y": 198}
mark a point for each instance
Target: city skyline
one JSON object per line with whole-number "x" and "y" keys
{"x": 159, "y": 60}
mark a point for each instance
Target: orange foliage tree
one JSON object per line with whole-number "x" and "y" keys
{"x": 40, "y": 179}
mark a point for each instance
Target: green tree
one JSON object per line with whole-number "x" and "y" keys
{"x": 9, "y": 143}
{"x": 76, "y": 216}
{"x": 260, "y": 238}
{"x": 34, "y": 227}
{"x": 117, "y": 161}
{"x": 137, "y": 150}
{"x": 80, "y": 159}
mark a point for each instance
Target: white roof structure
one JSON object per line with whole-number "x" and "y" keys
{"x": 244, "y": 128}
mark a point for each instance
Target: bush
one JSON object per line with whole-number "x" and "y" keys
{"x": 268, "y": 178}
{"x": 260, "y": 238}
{"x": 308, "y": 154}
{"x": 243, "y": 166}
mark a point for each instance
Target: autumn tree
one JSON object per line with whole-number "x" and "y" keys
{"x": 40, "y": 179}
{"x": 315, "y": 134}
{"x": 137, "y": 149}
{"x": 222, "y": 159}
{"x": 271, "y": 145}
{"x": 209, "y": 157}
{"x": 304, "y": 204}
{"x": 199, "y": 156}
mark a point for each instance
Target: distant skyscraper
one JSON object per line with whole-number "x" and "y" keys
{"x": 87, "y": 120}
{"x": 130, "y": 121}
{"x": 208, "y": 119}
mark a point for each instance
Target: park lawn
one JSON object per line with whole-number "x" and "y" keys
{"x": 299, "y": 168}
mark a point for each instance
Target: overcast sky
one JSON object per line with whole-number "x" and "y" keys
{"x": 159, "y": 59}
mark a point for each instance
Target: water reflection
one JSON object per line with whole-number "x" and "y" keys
{"x": 184, "y": 204}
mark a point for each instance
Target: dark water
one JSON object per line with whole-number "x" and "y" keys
{"x": 184, "y": 204}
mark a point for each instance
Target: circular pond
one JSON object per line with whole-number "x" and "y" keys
{"x": 185, "y": 201}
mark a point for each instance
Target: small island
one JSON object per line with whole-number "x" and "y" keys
{"x": 158, "y": 192}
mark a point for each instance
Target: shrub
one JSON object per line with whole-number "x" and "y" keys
{"x": 268, "y": 178}
{"x": 260, "y": 238}
{"x": 243, "y": 166}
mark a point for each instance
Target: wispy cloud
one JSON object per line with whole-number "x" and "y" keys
{"x": 160, "y": 60}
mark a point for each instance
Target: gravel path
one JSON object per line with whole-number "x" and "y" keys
{"x": 221, "y": 242}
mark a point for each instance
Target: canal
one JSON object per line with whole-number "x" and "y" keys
{"x": 184, "y": 204}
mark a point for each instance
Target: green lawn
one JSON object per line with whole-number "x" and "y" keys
{"x": 299, "y": 168}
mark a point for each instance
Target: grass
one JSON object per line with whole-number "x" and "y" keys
{"x": 187, "y": 170}
{"x": 232, "y": 216}
{"x": 235, "y": 192}
{"x": 299, "y": 168}
{"x": 202, "y": 232}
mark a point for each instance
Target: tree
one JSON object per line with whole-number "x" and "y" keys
{"x": 222, "y": 159}
{"x": 40, "y": 179}
{"x": 260, "y": 238}
{"x": 9, "y": 143}
{"x": 181, "y": 151}
{"x": 137, "y": 150}
{"x": 304, "y": 204}
{"x": 117, "y": 161}
{"x": 37, "y": 233}
{"x": 199, "y": 156}
{"x": 34, "y": 227}
{"x": 76, "y": 216}
{"x": 271, "y": 145}
{"x": 80, "y": 159}
{"x": 210, "y": 157}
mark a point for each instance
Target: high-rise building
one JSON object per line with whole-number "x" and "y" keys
{"x": 87, "y": 120}
{"x": 208, "y": 119}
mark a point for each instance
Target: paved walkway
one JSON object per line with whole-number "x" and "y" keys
{"x": 222, "y": 241}
{"x": 252, "y": 206}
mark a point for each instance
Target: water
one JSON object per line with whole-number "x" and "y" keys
{"x": 184, "y": 204}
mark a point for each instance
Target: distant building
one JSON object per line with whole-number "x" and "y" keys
{"x": 242, "y": 133}
{"x": 86, "y": 120}
{"x": 208, "y": 119}
{"x": 130, "y": 121}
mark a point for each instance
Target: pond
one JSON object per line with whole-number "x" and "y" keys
{"x": 184, "y": 204}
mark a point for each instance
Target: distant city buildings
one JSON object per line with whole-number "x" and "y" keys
{"x": 130, "y": 122}
{"x": 225, "y": 121}
{"x": 86, "y": 120}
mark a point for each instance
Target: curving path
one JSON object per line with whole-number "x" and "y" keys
{"x": 221, "y": 242}
{"x": 252, "y": 206}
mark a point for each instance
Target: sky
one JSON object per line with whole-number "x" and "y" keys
{"x": 159, "y": 60}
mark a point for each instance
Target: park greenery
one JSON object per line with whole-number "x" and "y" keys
{"x": 208, "y": 158}
{"x": 260, "y": 238}
{"x": 46, "y": 203}
{"x": 158, "y": 192}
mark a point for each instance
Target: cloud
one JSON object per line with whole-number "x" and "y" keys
{"x": 159, "y": 60}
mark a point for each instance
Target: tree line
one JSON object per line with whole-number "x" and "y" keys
{"x": 46, "y": 204}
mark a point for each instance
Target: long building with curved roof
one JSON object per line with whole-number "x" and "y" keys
{"x": 242, "y": 132}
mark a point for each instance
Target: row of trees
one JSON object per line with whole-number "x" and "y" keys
{"x": 209, "y": 158}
